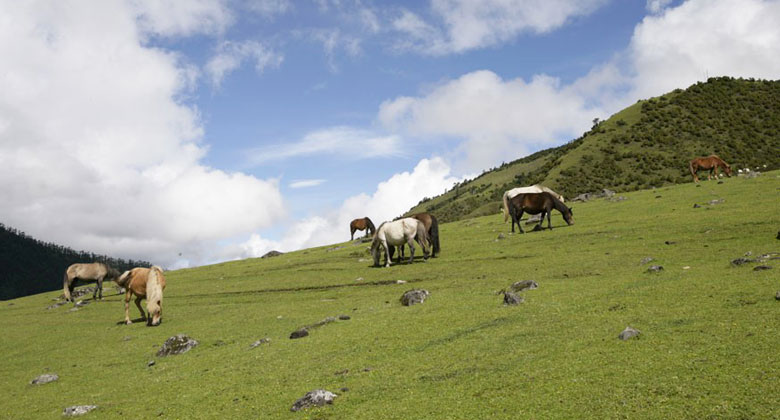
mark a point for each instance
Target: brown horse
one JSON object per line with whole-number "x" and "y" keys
{"x": 87, "y": 273}
{"x": 361, "y": 224}
{"x": 432, "y": 227}
{"x": 711, "y": 163}
{"x": 537, "y": 203}
{"x": 146, "y": 283}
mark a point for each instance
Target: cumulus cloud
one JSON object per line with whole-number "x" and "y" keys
{"x": 96, "y": 153}
{"x": 462, "y": 25}
{"x": 231, "y": 54}
{"x": 306, "y": 183}
{"x": 391, "y": 198}
{"x": 495, "y": 117}
{"x": 340, "y": 141}
{"x": 182, "y": 18}
{"x": 655, "y": 6}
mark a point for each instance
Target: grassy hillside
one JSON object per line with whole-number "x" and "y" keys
{"x": 708, "y": 347}
{"x": 647, "y": 144}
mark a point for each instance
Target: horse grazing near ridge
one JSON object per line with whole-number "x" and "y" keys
{"x": 399, "y": 232}
{"x": 87, "y": 273}
{"x": 711, "y": 163}
{"x": 536, "y": 203}
{"x": 361, "y": 224}
{"x": 146, "y": 283}
{"x": 533, "y": 189}
{"x": 431, "y": 227}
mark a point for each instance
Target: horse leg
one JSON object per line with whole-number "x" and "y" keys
{"x": 387, "y": 254}
{"x": 127, "y": 306}
{"x": 351, "y": 234}
{"x": 138, "y": 304}
{"x": 98, "y": 289}
{"x": 410, "y": 241}
{"x": 549, "y": 224}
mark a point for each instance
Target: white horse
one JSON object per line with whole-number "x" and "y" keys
{"x": 533, "y": 189}
{"x": 399, "y": 232}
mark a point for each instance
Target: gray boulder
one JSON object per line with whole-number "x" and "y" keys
{"x": 316, "y": 398}
{"x": 413, "y": 297}
{"x": 303, "y": 332}
{"x": 519, "y": 286}
{"x": 45, "y": 379}
{"x": 512, "y": 299}
{"x": 655, "y": 269}
{"x": 177, "y": 344}
{"x": 628, "y": 334}
{"x": 260, "y": 342}
{"x": 78, "y": 410}
{"x": 762, "y": 267}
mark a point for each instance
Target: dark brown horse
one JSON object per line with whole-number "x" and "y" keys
{"x": 432, "y": 227}
{"x": 361, "y": 224}
{"x": 711, "y": 163}
{"x": 537, "y": 203}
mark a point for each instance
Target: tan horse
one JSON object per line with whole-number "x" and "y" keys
{"x": 711, "y": 163}
{"x": 361, "y": 224}
{"x": 87, "y": 272}
{"x": 146, "y": 283}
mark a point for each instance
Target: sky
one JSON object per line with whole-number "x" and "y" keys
{"x": 191, "y": 132}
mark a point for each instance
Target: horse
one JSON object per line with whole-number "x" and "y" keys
{"x": 533, "y": 189}
{"x": 397, "y": 233}
{"x": 87, "y": 272}
{"x": 146, "y": 283}
{"x": 361, "y": 224}
{"x": 536, "y": 203}
{"x": 431, "y": 227}
{"x": 711, "y": 163}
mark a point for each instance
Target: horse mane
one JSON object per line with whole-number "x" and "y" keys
{"x": 558, "y": 204}
{"x": 154, "y": 292}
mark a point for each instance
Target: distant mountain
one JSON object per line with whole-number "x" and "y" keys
{"x": 648, "y": 144}
{"x": 29, "y": 266}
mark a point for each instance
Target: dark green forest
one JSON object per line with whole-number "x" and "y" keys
{"x": 647, "y": 144}
{"x": 29, "y": 266}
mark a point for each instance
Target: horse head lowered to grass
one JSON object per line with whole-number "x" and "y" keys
{"x": 711, "y": 163}
{"x": 537, "y": 203}
{"x": 399, "y": 232}
{"x": 147, "y": 283}
{"x": 96, "y": 272}
{"x": 361, "y": 224}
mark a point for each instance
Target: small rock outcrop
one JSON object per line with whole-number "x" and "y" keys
{"x": 415, "y": 296}
{"x": 316, "y": 398}
{"x": 777, "y": 295}
{"x": 519, "y": 286}
{"x": 646, "y": 260}
{"x": 629, "y": 333}
{"x": 177, "y": 344}
{"x": 78, "y": 410}
{"x": 303, "y": 332}
{"x": 512, "y": 299}
{"x": 762, "y": 267}
{"x": 655, "y": 269}
{"x": 270, "y": 254}
{"x": 741, "y": 260}
{"x": 45, "y": 379}
{"x": 260, "y": 342}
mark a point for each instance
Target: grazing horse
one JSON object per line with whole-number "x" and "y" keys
{"x": 361, "y": 224}
{"x": 711, "y": 163}
{"x": 87, "y": 272}
{"x": 537, "y": 203}
{"x": 431, "y": 227}
{"x": 533, "y": 189}
{"x": 403, "y": 231}
{"x": 146, "y": 283}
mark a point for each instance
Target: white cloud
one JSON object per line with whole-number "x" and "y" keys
{"x": 496, "y": 117}
{"x": 344, "y": 142}
{"x": 95, "y": 151}
{"x": 182, "y": 18}
{"x": 230, "y": 55}
{"x": 463, "y": 25}
{"x": 391, "y": 198}
{"x": 306, "y": 183}
{"x": 656, "y": 6}
{"x": 334, "y": 40}
{"x": 269, "y": 8}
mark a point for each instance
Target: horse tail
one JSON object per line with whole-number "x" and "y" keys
{"x": 435, "y": 235}
{"x": 154, "y": 294}
{"x": 691, "y": 168}
{"x": 505, "y": 209}
{"x": 422, "y": 235}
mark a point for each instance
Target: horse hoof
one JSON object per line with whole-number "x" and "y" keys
{"x": 128, "y": 322}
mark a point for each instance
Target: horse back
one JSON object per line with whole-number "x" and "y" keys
{"x": 86, "y": 270}
{"x": 137, "y": 282}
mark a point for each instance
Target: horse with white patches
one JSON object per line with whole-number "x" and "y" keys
{"x": 144, "y": 283}
{"x": 399, "y": 232}
{"x": 533, "y": 189}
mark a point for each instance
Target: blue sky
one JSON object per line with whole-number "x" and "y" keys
{"x": 191, "y": 132}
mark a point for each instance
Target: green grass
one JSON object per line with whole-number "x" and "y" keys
{"x": 708, "y": 349}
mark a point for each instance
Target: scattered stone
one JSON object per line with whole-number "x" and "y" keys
{"x": 151, "y": 363}
{"x": 345, "y": 317}
{"x": 687, "y": 267}
{"x": 260, "y": 342}
{"x": 628, "y": 333}
{"x": 400, "y": 282}
{"x": 56, "y": 305}
{"x": 45, "y": 379}
{"x": 82, "y": 303}
{"x": 512, "y": 299}
{"x": 777, "y": 295}
{"x": 344, "y": 389}
{"x": 78, "y": 410}
{"x": 718, "y": 201}
{"x": 720, "y": 182}
{"x": 127, "y": 338}
{"x": 617, "y": 199}
{"x": 335, "y": 248}
{"x": 270, "y": 254}
{"x": 415, "y": 296}
{"x": 741, "y": 260}
{"x": 657, "y": 196}
{"x": 316, "y": 398}
{"x": 519, "y": 286}
{"x": 73, "y": 309}
{"x": 670, "y": 242}
{"x": 359, "y": 279}
{"x": 534, "y": 219}
{"x": 501, "y": 236}
{"x": 607, "y": 193}
{"x": 655, "y": 268}
{"x": 582, "y": 197}
{"x": 219, "y": 343}
{"x": 646, "y": 260}
{"x": 177, "y": 344}
{"x": 696, "y": 206}
{"x": 303, "y": 332}
{"x": 762, "y": 267}
{"x": 342, "y": 372}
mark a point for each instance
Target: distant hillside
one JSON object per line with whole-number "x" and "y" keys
{"x": 645, "y": 145}
{"x": 29, "y": 266}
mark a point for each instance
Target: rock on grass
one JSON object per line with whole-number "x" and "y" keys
{"x": 413, "y": 297}
{"x": 316, "y": 398}
{"x": 519, "y": 286}
{"x": 628, "y": 334}
{"x": 655, "y": 268}
{"x": 512, "y": 299}
{"x": 177, "y": 344}
{"x": 45, "y": 379}
{"x": 78, "y": 410}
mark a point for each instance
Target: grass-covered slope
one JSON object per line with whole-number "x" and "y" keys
{"x": 708, "y": 347}
{"x": 647, "y": 144}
